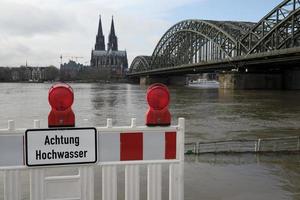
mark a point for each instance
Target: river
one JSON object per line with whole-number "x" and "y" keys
{"x": 210, "y": 114}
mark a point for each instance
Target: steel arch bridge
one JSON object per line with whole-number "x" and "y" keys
{"x": 202, "y": 41}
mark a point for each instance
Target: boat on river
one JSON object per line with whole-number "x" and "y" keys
{"x": 204, "y": 83}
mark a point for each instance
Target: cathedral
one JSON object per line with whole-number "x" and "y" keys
{"x": 111, "y": 61}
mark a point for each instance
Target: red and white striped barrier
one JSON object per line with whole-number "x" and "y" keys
{"x": 146, "y": 145}
{"x": 129, "y": 147}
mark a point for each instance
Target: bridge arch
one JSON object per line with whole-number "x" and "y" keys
{"x": 140, "y": 63}
{"x": 192, "y": 41}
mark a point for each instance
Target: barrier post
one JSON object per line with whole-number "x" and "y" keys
{"x": 11, "y": 125}
{"x": 181, "y": 123}
{"x": 176, "y": 176}
{"x": 36, "y": 177}
{"x": 86, "y": 174}
{"x": 197, "y": 148}
{"x": 12, "y": 182}
{"x": 258, "y": 145}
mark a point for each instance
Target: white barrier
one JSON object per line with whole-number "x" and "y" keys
{"x": 81, "y": 185}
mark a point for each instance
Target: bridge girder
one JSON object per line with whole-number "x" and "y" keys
{"x": 267, "y": 24}
{"x": 203, "y": 41}
{"x": 285, "y": 34}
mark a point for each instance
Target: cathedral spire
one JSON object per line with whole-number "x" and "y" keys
{"x": 100, "y": 32}
{"x": 112, "y": 38}
{"x": 100, "y": 43}
{"x": 112, "y": 27}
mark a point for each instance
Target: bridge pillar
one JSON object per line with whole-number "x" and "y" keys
{"x": 171, "y": 80}
{"x": 178, "y": 80}
{"x": 250, "y": 81}
{"x": 292, "y": 79}
{"x": 146, "y": 80}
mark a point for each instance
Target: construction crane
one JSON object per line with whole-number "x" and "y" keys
{"x": 70, "y": 58}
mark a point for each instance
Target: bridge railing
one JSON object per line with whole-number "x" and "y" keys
{"x": 75, "y": 182}
{"x": 280, "y": 144}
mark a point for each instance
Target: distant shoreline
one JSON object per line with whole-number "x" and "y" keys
{"x": 78, "y": 81}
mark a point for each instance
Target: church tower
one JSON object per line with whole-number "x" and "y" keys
{"x": 110, "y": 63}
{"x": 100, "y": 43}
{"x": 112, "y": 38}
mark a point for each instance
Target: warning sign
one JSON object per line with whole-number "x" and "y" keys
{"x": 60, "y": 146}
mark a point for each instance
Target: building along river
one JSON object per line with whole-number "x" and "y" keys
{"x": 211, "y": 114}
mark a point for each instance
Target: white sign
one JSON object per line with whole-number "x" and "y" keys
{"x": 60, "y": 146}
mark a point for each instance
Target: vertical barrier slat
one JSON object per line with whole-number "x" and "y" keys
{"x": 37, "y": 186}
{"x": 154, "y": 181}
{"x": 109, "y": 182}
{"x": 12, "y": 187}
{"x": 132, "y": 182}
{"x": 12, "y": 181}
{"x": 109, "y": 177}
{"x": 87, "y": 182}
{"x": 173, "y": 182}
{"x": 36, "y": 178}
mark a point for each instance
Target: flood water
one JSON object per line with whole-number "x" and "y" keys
{"x": 209, "y": 113}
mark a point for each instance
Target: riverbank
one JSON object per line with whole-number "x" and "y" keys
{"x": 73, "y": 81}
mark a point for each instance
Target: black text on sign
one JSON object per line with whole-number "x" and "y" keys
{"x": 61, "y": 146}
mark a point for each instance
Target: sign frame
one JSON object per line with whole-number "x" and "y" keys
{"x": 60, "y": 129}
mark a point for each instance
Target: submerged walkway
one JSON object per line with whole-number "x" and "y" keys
{"x": 282, "y": 144}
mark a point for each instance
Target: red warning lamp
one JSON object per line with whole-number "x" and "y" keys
{"x": 158, "y": 98}
{"x": 61, "y": 98}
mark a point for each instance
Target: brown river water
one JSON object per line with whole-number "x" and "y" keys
{"x": 210, "y": 114}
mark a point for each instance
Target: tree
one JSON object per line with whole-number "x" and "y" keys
{"x": 51, "y": 73}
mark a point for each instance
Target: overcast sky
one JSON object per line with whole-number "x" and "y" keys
{"x": 39, "y": 31}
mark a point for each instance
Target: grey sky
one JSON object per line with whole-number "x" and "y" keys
{"x": 41, "y": 30}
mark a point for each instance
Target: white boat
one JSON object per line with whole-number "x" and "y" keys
{"x": 204, "y": 83}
